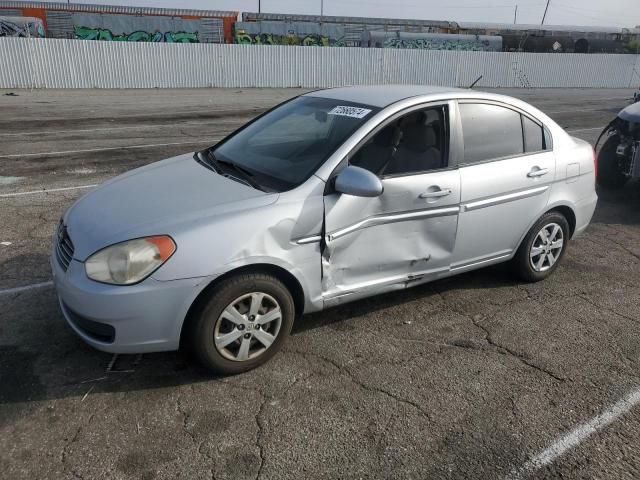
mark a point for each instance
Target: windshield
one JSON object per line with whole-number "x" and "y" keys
{"x": 287, "y": 145}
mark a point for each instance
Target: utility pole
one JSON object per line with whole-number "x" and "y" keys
{"x": 259, "y": 1}
{"x": 515, "y": 16}
{"x": 545, "y": 12}
{"x": 321, "y": 8}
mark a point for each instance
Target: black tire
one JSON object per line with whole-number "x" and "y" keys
{"x": 522, "y": 263}
{"x": 609, "y": 174}
{"x": 203, "y": 324}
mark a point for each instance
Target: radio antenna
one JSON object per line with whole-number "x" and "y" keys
{"x": 474, "y": 83}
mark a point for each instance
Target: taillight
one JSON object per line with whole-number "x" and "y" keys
{"x": 595, "y": 163}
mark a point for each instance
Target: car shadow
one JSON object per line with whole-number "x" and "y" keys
{"x": 621, "y": 206}
{"x": 487, "y": 278}
{"x": 33, "y": 370}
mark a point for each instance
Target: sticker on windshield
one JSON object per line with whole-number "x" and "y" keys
{"x": 346, "y": 111}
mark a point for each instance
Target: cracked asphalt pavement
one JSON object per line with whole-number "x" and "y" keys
{"x": 468, "y": 377}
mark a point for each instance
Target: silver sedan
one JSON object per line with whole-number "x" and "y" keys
{"x": 330, "y": 197}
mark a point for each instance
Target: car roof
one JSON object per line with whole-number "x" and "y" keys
{"x": 382, "y": 95}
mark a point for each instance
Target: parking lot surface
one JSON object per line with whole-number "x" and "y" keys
{"x": 475, "y": 376}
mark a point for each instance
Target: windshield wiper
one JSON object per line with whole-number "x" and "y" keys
{"x": 245, "y": 175}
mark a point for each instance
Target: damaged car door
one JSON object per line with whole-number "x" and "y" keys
{"x": 407, "y": 233}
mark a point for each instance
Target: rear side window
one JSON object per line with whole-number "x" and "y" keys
{"x": 534, "y": 140}
{"x": 490, "y": 132}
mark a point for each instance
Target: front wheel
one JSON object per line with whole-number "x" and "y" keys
{"x": 542, "y": 248}
{"x": 242, "y": 324}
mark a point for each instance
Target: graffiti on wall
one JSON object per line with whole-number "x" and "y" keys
{"x": 21, "y": 27}
{"x": 310, "y": 40}
{"x": 306, "y": 34}
{"x": 427, "y": 44}
{"x": 89, "y": 33}
{"x": 129, "y": 28}
{"x": 431, "y": 41}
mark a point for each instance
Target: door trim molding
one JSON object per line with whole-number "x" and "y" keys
{"x": 307, "y": 240}
{"x": 503, "y": 255}
{"x": 392, "y": 218}
{"x": 510, "y": 197}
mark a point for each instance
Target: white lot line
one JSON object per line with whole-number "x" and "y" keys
{"x": 580, "y": 110}
{"x": 584, "y": 129}
{"x": 35, "y": 192}
{"x": 593, "y": 100}
{"x": 86, "y": 130}
{"x": 130, "y": 127}
{"x": 105, "y": 149}
{"x": 101, "y": 129}
{"x": 592, "y": 109}
{"x": 578, "y": 435}
{"x": 26, "y": 288}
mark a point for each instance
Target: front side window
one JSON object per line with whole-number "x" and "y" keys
{"x": 414, "y": 143}
{"x": 490, "y": 132}
{"x": 287, "y": 145}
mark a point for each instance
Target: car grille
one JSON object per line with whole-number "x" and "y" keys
{"x": 64, "y": 247}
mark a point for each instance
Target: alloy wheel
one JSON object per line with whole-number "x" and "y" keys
{"x": 546, "y": 247}
{"x": 247, "y": 327}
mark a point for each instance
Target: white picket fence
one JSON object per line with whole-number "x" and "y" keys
{"x": 56, "y": 63}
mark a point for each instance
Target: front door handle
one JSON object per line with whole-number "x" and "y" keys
{"x": 537, "y": 172}
{"x": 436, "y": 193}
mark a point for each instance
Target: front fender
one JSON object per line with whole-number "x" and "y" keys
{"x": 307, "y": 274}
{"x": 264, "y": 235}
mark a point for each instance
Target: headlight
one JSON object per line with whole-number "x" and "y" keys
{"x": 131, "y": 261}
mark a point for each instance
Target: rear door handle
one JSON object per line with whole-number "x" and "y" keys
{"x": 436, "y": 194}
{"x": 537, "y": 172}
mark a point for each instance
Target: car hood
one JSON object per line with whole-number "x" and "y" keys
{"x": 154, "y": 200}
{"x": 631, "y": 113}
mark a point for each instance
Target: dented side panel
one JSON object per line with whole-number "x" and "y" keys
{"x": 268, "y": 234}
{"x": 391, "y": 239}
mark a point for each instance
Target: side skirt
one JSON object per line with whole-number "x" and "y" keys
{"x": 357, "y": 292}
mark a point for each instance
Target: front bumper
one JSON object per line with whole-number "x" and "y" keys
{"x": 146, "y": 317}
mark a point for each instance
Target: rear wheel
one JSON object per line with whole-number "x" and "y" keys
{"x": 243, "y": 324}
{"x": 542, "y": 248}
{"x": 609, "y": 174}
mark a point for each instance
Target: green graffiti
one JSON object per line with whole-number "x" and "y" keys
{"x": 310, "y": 41}
{"x": 243, "y": 38}
{"x": 181, "y": 37}
{"x": 633, "y": 46}
{"x": 264, "y": 39}
{"x": 438, "y": 44}
{"x": 88, "y": 33}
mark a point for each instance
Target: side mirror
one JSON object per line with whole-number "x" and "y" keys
{"x": 358, "y": 182}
